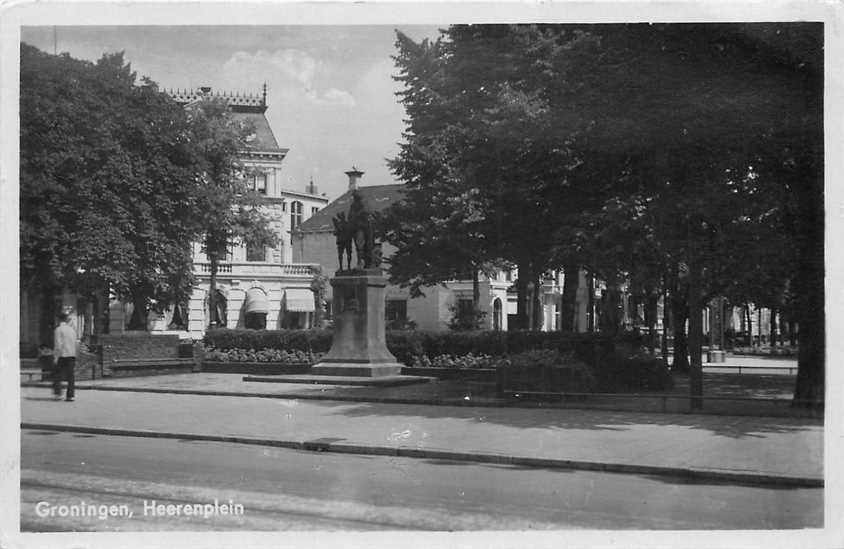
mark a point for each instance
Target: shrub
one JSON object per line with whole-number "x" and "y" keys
{"x": 634, "y": 372}
{"x": 546, "y": 370}
{"x": 465, "y": 319}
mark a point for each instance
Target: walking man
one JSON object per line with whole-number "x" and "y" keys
{"x": 64, "y": 357}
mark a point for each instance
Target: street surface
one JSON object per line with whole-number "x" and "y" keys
{"x": 283, "y": 489}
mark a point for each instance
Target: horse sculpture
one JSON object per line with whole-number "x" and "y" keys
{"x": 344, "y": 232}
{"x": 357, "y": 229}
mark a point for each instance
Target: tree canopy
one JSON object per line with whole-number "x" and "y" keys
{"x": 108, "y": 193}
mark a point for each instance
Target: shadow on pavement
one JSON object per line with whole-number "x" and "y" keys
{"x": 563, "y": 419}
{"x": 675, "y": 480}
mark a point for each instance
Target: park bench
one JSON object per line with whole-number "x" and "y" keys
{"x": 124, "y": 367}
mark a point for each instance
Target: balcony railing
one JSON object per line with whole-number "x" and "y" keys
{"x": 259, "y": 269}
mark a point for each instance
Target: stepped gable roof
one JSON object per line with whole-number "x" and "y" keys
{"x": 248, "y": 108}
{"x": 375, "y": 199}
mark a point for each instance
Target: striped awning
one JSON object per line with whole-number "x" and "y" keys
{"x": 299, "y": 300}
{"x": 256, "y": 301}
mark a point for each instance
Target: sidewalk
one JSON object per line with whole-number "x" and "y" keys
{"x": 779, "y": 451}
{"x": 725, "y": 393}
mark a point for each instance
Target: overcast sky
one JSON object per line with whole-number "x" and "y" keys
{"x": 330, "y": 93}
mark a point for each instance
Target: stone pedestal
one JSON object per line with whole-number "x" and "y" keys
{"x": 359, "y": 347}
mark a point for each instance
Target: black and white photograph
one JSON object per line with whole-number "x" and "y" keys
{"x": 422, "y": 274}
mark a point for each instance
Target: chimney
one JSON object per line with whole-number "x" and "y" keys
{"x": 354, "y": 175}
{"x": 311, "y": 188}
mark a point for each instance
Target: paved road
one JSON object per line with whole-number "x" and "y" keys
{"x": 293, "y": 490}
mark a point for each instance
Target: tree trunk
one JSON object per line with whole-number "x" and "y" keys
{"x": 213, "y": 319}
{"x": 47, "y": 316}
{"x": 680, "y": 311}
{"x": 139, "y": 313}
{"x": 792, "y": 333}
{"x": 811, "y": 320}
{"x": 610, "y": 304}
{"x": 101, "y": 312}
{"x": 749, "y": 320}
{"x": 773, "y": 328}
{"x": 650, "y": 319}
{"x": 666, "y": 321}
{"x": 695, "y": 339}
{"x": 476, "y": 290}
{"x": 538, "y": 311}
{"x": 569, "y": 301}
{"x": 522, "y": 298}
{"x": 811, "y": 339}
{"x": 590, "y": 314}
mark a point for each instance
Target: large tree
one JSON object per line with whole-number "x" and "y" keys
{"x": 482, "y": 150}
{"x": 108, "y": 192}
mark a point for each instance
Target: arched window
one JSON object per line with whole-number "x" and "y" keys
{"x": 295, "y": 215}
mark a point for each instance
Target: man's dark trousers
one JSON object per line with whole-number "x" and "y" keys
{"x": 65, "y": 371}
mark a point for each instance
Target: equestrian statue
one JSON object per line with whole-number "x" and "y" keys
{"x": 356, "y": 228}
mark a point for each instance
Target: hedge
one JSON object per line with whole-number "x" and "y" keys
{"x": 614, "y": 364}
{"x": 405, "y": 345}
{"x": 315, "y": 341}
{"x": 633, "y": 373}
{"x": 545, "y": 371}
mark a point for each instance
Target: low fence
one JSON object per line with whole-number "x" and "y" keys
{"x": 775, "y": 370}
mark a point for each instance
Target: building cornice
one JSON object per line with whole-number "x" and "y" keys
{"x": 299, "y": 194}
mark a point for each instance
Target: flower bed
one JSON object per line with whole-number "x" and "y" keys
{"x": 276, "y": 356}
{"x": 469, "y": 361}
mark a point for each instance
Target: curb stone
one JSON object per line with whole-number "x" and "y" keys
{"x": 320, "y": 445}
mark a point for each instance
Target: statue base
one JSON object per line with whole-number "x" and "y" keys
{"x": 359, "y": 347}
